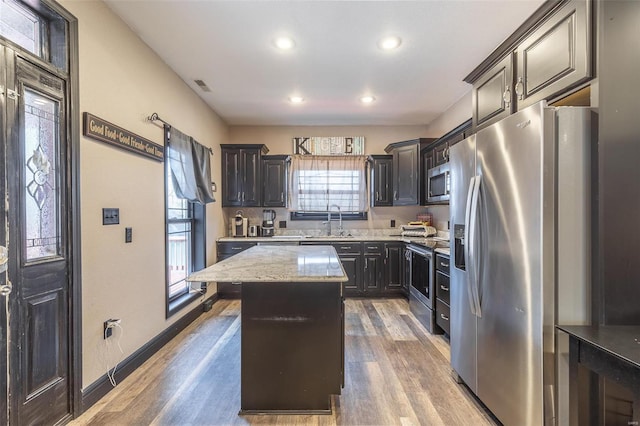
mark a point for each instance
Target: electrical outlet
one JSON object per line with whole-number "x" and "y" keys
{"x": 109, "y": 325}
{"x": 393, "y": 223}
{"x": 108, "y": 330}
{"x": 282, "y": 224}
{"x": 128, "y": 235}
{"x": 110, "y": 216}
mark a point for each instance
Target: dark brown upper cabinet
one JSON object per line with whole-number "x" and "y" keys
{"x": 406, "y": 172}
{"x": 492, "y": 93}
{"x": 274, "y": 180}
{"x": 241, "y": 174}
{"x": 381, "y": 180}
{"x": 548, "y": 56}
{"x": 556, "y": 56}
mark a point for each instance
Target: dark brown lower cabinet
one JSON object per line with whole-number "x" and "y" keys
{"x": 443, "y": 309}
{"x": 374, "y": 269}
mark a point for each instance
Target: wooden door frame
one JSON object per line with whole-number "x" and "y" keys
{"x": 72, "y": 189}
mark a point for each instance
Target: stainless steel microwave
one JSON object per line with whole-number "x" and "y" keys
{"x": 438, "y": 184}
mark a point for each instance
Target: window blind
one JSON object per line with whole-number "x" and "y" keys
{"x": 319, "y": 182}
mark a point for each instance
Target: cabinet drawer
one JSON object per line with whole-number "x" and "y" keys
{"x": 442, "y": 315}
{"x": 377, "y": 248}
{"x": 348, "y": 248}
{"x": 230, "y": 248}
{"x": 442, "y": 263}
{"x": 442, "y": 286}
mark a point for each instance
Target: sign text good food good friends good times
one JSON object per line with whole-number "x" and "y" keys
{"x": 101, "y": 130}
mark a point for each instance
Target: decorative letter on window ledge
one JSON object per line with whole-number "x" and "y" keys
{"x": 335, "y": 145}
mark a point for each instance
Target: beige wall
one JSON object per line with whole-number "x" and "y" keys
{"x": 279, "y": 141}
{"x": 454, "y": 116}
{"x": 123, "y": 81}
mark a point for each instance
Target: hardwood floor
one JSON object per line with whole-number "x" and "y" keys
{"x": 395, "y": 374}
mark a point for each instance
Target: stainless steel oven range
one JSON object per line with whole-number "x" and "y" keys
{"x": 422, "y": 296}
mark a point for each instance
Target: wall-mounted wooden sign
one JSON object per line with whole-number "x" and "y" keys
{"x": 103, "y": 131}
{"x": 339, "y": 145}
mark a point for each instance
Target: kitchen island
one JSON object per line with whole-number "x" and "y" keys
{"x": 292, "y": 354}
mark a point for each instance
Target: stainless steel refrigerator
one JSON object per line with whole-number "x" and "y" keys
{"x": 520, "y": 247}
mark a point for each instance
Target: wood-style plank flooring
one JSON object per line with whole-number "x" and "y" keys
{"x": 395, "y": 374}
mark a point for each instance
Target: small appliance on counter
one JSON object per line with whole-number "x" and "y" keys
{"x": 268, "y": 222}
{"x": 254, "y": 230}
{"x": 417, "y": 229}
{"x": 240, "y": 225}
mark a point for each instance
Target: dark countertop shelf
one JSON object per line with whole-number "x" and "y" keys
{"x": 622, "y": 341}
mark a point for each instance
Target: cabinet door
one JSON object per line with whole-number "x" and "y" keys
{"x": 251, "y": 182}
{"x": 441, "y": 154}
{"x": 381, "y": 189}
{"x": 352, "y": 266}
{"x": 406, "y": 175}
{"x": 373, "y": 273}
{"x": 231, "y": 178}
{"x": 556, "y": 56}
{"x": 492, "y": 95}
{"x": 393, "y": 267}
{"x": 274, "y": 182}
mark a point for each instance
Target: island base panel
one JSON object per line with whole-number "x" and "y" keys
{"x": 292, "y": 346}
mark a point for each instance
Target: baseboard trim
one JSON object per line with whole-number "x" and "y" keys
{"x": 95, "y": 391}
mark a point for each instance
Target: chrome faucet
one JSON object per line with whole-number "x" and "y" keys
{"x": 328, "y": 222}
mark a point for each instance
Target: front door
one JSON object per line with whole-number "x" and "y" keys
{"x": 34, "y": 207}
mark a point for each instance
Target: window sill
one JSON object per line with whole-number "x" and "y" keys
{"x": 323, "y": 216}
{"x": 180, "y": 302}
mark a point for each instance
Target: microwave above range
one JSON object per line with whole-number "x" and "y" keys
{"x": 438, "y": 184}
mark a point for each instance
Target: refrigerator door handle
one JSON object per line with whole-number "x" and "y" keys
{"x": 474, "y": 254}
{"x": 468, "y": 246}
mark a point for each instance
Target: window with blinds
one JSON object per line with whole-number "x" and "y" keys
{"x": 320, "y": 183}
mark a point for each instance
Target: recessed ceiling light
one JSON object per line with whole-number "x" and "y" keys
{"x": 367, "y": 99}
{"x": 296, "y": 99}
{"x": 389, "y": 43}
{"x": 284, "y": 43}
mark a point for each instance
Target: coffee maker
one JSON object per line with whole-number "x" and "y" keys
{"x": 268, "y": 223}
{"x": 240, "y": 225}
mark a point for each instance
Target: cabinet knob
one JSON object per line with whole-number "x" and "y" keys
{"x": 506, "y": 97}
{"x": 520, "y": 89}
{"x": 446, "y": 265}
{"x": 377, "y": 196}
{"x": 444, "y": 287}
{"x": 282, "y": 197}
{"x": 395, "y": 195}
{"x": 444, "y": 317}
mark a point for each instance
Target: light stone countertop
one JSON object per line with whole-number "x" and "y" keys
{"x": 294, "y": 239}
{"x": 282, "y": 264}
{"x": 443, "y": 250}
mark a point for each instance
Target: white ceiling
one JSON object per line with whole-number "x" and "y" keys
{"x": 228, "y": 44}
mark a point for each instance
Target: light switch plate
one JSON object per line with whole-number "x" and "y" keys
{"x": 110, "y": 216}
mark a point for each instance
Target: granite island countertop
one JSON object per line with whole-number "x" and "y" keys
{"x": 276, "y": 264}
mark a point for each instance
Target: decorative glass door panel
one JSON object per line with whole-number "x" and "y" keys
{"x": 41, "y": 201}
